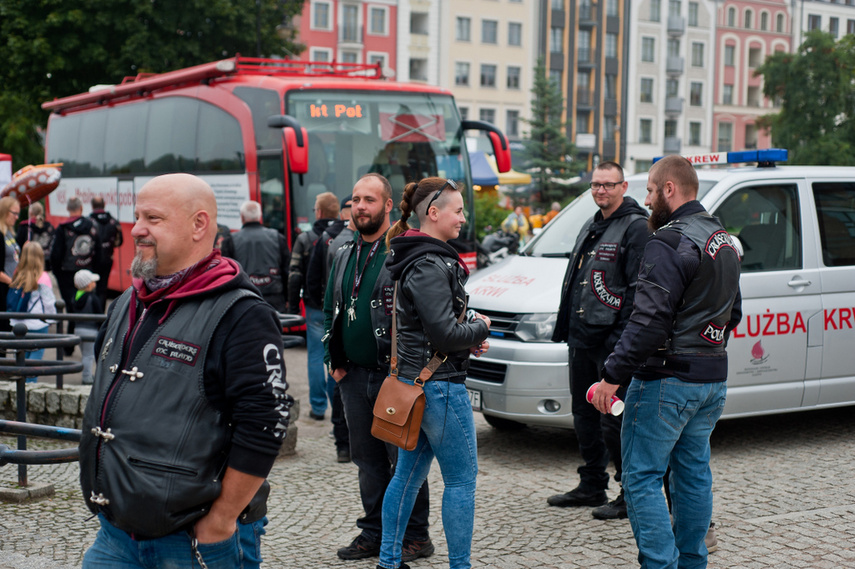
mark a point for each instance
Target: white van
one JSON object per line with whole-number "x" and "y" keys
{"x": 795, "y": 347}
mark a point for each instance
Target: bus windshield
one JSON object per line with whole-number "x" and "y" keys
{"x": 403, "y": 136}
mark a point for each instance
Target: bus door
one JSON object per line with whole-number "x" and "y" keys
{"x": 271, "y": 182}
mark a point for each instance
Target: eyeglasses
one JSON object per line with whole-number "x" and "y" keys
{"x": 17, "y": 213}
{"x": 608, "y": 186}
{"x": 448, "y": 184}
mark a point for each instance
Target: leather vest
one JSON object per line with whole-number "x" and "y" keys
{"x": 701, "y": 319}
{"x": 79, "y": 245}
{"x": 153, "y": 450}
{"x": 601, "y": 273}
{"x": 381, "y": 310}
{"x": 257, "y": 250}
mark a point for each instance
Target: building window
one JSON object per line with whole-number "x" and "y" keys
{"x": 673, "y": 47}
{"x": 814, "y": 22}
{"x": 585, "y": 10}
{"x": 377, "y": 20}
{"x": 611, "y": 45}
{"x": 670, "y": 128}
{"x": 725, "y": 136}
{"x": 850, "y": 26}
{"x": 582, "y": 122}
{"x": 611, "y": 86}
{"x": 729, "y": 51}
{"x": 645, "y": 131}
{"x": 648, "y": 48}
{"x": 556, "y": 37}
{"x": 557, "y": 4}
{"x": 349, "y": 57}
{"x": 696, "y": 92}
{"x": 834, "y": 27}
{"x": 349, "y": 30}
{"x": 513, "y": 77}
{"x": 418, "y": 69}
{"x": 646, "y": 90}
{"x": 461, "y": 74}
{"x": 321, "y": 16}
{"x": 697, "y": 54}
{"x": 749, "y": 16}
{"x": 514, "y": 33}
{"x": 731, "y": 17}
{"x": 584, "y": 46}
{"x": 764, "y": 21}
{"x": 489, "y": 31}
{"x": 583, "y": 88}
{"x": 727, "y": 95}
{"x": 779, "y": 23}
{"x": 672, "y": 87}
{"x": 755, "y": 59}
{"x": 377, "y": 58}
{"x": 464, "y": 29}
{"x": 419, "y": 23}
{"x": 556, "y": 76}
{"x": 512, "y": 124}
{"x": 320, "y": 54}
{"x": 609, "y": 128}
{"x": 655, "y": 10}
{"x": 693, "y": 14}
{"x": 488, "y": 75}
{"x": 642, "y": 166}
{"x": 464, "y": 113}
{"x": 612, "y": 8}
{"x": 753, "y": 97}
{"x": 674, "y": 8}
{"x": 487, "y": 115}
{"x": 694, "y": 133}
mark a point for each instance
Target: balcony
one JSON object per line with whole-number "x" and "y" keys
{"x": 672, "y": 145}
{"x": 676, "y": 26}
{"x": 674, "y": 65}
{"x": 587, "y": 15}
{"x": 674, "y": 105}
{"x": 586, "y": 142}
{"x": 584, "y": 98}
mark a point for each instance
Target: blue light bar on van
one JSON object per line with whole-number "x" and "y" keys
{"x": 763, "y": 157}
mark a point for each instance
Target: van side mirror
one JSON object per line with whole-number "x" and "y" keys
{"x": 296, "y": 141}
{"x": 501, "y": 148}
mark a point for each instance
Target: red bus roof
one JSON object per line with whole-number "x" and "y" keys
{"x": 271, "y": 73}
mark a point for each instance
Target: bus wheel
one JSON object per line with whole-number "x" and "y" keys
{"x": 503, "y": 424}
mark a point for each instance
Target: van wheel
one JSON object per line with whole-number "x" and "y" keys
{"x": 503, "y": 424}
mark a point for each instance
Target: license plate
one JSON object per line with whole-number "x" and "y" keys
{"x": 475, "y": 399}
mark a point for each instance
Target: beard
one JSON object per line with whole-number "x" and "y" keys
{"x": 142, "y": 268}
{"x": 369, "y": 225}
{"x": 660, "y": 213}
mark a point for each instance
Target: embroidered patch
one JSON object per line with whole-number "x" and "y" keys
{"x": 713, "y": 334}
{"x": 607, "y": 252}
{"x": 717, "y": 241}
{"x": 176, "y": 350}
{"x": 260, "y": 280}
{"x": 607, "y": 297}
{"x": 388, "y": 295}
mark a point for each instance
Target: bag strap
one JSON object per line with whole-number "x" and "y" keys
{"x": 437, "y": 358}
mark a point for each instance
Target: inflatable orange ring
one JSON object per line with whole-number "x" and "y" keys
{"x": 32, "y": 183}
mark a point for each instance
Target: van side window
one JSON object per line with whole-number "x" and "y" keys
{"x": 766, "y": 220}
{"x": 835, "y": 210}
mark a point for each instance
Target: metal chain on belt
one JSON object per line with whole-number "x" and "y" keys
{"x": 194, "y": 543}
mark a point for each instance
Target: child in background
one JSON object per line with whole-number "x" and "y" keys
{"x": 87, "y": 302}
{"x": 30, "y": 276}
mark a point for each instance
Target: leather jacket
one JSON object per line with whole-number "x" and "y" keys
{"x": 430, "y": 299}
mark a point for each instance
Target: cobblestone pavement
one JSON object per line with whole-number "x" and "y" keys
{"x": 784, "y": 497}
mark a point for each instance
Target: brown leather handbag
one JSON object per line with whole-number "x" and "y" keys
{"x": 399, "y": 407}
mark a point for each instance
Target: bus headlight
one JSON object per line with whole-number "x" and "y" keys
{"x": 537, "y": 327}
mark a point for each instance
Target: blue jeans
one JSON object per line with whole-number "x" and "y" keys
{"x": 36, "y": 354}
{"x": 115, "y": 549}
{"x": 320, "y": 389}
{"x": 448, "y": 432}
{"x": 669, "y": 422}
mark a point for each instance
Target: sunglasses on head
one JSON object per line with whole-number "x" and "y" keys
{"x": 448, "y": 184}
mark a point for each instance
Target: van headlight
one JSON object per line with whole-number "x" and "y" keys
{"x": 537, "y": 327}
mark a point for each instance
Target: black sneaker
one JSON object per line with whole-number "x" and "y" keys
{"x": 360, "y": 548}
{"x": 401, "y": 566}
{"x": 614, "y": 510}
{"x": 578, "y": 497}
{"x": 415, "y": 548}
{"x": 316, "y": 416}
{"x": 342, "y": 455}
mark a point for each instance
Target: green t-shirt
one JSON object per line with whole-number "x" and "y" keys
{"x": 360, "y": 345}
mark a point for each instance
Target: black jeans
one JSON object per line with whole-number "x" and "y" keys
{"x": 598, "y": 434}
{"x": 374, "y": 458}
{"x": 340, "y": 433}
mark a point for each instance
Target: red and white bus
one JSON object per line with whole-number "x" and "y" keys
{"x": 275, "y": 131}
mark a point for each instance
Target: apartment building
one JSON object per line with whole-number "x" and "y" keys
{"x": 487, "y": 53}
{"x": 835, "y": 17}
{"x": 746, "y": 33}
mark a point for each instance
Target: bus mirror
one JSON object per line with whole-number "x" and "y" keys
{"x": 501, "y": 148}
{"x": 296, "y": 141}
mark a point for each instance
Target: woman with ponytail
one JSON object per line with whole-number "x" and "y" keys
{"x": 431, "y": 298}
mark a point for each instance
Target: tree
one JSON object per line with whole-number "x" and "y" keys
{"x": 55, "y": 48}
{"x": 817, "y": 95}
{"x": 547, "y": 148}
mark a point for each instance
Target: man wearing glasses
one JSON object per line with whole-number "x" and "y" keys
{"x": 596, "y": 302}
